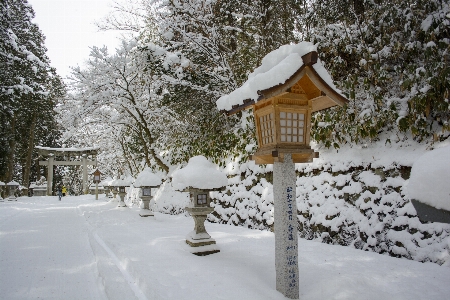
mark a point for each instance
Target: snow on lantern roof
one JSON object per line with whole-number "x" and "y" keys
{"x": 12, "y": 183}
{"x": 106, "y": 181}
{"x": 429, "y": 180}
{"x": 147, "y": 178}
{"x": 2, "y": 183}
{"x": 199, "y": 173}
{"x": 123, "y": 181}
{"x": 280, "y": 70}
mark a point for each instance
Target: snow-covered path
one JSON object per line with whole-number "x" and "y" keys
{"x": 45, "y": 252}
{"x": 80, "y": 248}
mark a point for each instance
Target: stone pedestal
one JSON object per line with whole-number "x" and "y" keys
{"x": 147, "y": 210}
{"x": 285, "y": 227}
{"x": 199, "y": 240}
{"x": 121, "y": 201}
{"x": 12, "y": 197}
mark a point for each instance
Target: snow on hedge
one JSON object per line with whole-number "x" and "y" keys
{"x": 430, "y": 179}
{"x": 276, "y": 67}
{"x": 199, "y": 173}
{"x": 147, "y": 178}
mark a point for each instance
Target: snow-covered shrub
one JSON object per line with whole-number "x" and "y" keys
{"x": 361, "y": 206}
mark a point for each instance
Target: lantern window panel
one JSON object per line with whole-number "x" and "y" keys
{"x": 292, "y": 127}
{"x": 146, "y": 191}
{"x": 267, "y": 127}
{"x": 201, "y": 199}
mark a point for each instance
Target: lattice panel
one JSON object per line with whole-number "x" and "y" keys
{"x": 297, "y": 89}
{"x": 292, "y": 127}
{"x": 267, "y": 128}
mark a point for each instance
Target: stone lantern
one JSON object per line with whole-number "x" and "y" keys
{"x": 114, "y": 189}
{"x": 2, "y": 187}
{"x": 146, "y": 180}
{"x": 106, "y": 183}
{"x": 198, "y": 178}
{"x": 96, "y": 179}
{"x": 13, "y": 187}
{"x": 121, "y": 185}
{"x": 283, "y": 92}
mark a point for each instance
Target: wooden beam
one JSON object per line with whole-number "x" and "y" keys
{"x": 322, "y": 102}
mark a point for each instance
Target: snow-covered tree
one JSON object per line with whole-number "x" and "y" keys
{"x": 29, "y": 88}
{"x": 115, "y": 100}
{"x": 391, "y": 59}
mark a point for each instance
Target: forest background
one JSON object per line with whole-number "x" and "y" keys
{"x": 151, "y": 101}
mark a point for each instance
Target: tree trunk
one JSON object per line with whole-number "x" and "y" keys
{"x": 27, "y": 171}
{"x": 12, "y": 149}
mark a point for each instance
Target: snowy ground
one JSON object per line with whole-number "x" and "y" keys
{"x": 81, "y": 248}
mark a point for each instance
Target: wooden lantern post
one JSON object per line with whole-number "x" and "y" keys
{"x": 96, "y": 179}
{"x": 283, "y": 122}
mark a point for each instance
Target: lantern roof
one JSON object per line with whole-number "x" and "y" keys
{"x": 96, "y": 172}
{"x": 122, "y": 182}
{"x": 13, "y": 183}
{"x": 147, "y": 179}
{"x": 106, "y": 181}
{"x": 199, "y": 173}
{"x": 2, "y": 183}
{"x": 289, "y": 69}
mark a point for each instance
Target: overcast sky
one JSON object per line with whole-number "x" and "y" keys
{"x": 70, "y": 30}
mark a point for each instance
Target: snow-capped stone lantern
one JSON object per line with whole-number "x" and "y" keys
{"x": 13, "y": 187}
{"x": 428, "y": 186}
{"x": 114, "y": 189}
{"x": 283, "y": 92}
{"x": 198, "y": 178}
{"x": 146, "y": 180}
{"x": 2, "y": 186}
{"x": 96, "y": 179}
{"x": 106, "y": 183}
{"x": 121, "y": 185}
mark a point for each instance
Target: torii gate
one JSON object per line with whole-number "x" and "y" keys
{"x": 84, "y": 153}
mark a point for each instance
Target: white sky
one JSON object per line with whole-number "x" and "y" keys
{"x": 69, "y": 28}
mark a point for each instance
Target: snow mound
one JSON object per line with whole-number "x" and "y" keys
{"x": 199, "y": 173}
{"x": 276, "y": 67}
{"x": 147, "y": 178}
{"x": 429, "y": 182}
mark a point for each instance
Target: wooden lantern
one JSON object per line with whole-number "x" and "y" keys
{"x": 283, "y": 114}
{"x": 96, "y": 175}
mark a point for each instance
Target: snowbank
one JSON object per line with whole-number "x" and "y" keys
{"x": 430, "y": 179}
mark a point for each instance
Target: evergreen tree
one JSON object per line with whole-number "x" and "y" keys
{"x": 28, "y": 91}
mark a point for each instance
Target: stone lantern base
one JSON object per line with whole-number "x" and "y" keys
{"x": 199, "y": 240}
{"x": 147, "y": 210}
{"x": 121, "y": 200}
